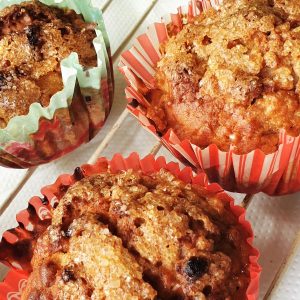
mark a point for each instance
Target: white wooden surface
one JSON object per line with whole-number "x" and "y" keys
{"x": 276, "y": 221}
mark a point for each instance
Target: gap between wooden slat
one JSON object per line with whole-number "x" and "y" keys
{"x": 105, "y": 5}
{"x": 156, "y": 148}
{"x": 247, "y": 200}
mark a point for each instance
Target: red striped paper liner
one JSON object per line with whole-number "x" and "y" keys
{"x": 275, "y": 174}
{"x": 35, "y": 219}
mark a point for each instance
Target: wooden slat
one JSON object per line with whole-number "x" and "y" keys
{"x": 108, "y": 137}
{"x": 125, "y": 113}
{"x": 156, "y": 148}
{"x": 286, "y": 263}
{"x": 15, "y": 191}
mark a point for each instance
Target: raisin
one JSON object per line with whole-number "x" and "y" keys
{"x": 138, "y": 222}
{"x": 2, "y": 80}
{"x": 234, "y": 43}
{"x": 88, "y": 98}
{"x": 207, "y": 290}
{"x": 63, "y": 31}
{"x": 33, "y": 35}
{"x": 206, "y": 40}
{"x": 78, "y": 174}
{"x": 196, "y": 267}
{"x": 68, "y": 233}
{"x": 42, "y": 17}
{"x": 67, "y": 275}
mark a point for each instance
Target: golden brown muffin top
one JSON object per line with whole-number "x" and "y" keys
{"x": 231, "y": 77}
{"x": 34, "y": 38}
{"x": 133, "y": 236}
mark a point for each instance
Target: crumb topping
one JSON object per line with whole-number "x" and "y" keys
{"x": 34, "y": 38}
{"x": 133, "y": 236}
{"x": 231, "y": 77}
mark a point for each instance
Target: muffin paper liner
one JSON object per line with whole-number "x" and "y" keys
{"x": 277, "y": 173}
{"x": 17, "y": 243}
{"x": 75, "y": 114}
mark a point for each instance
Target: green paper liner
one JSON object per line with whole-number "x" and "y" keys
{"x": 75, "y": 114}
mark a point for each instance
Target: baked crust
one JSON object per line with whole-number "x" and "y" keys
{"x": 231, "y": 77}
{"x": 132, "y": 236}
{"x": 34, "y": 40}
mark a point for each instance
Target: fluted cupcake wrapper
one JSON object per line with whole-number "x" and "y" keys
{"x": 275, "y": 174}
{"x": 16, "y": 244}
{"x": 75, "y": 114}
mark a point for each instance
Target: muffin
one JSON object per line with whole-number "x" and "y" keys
{"x": 134, "y": 236}
{"x": 218, "y": 84}
{"x": 231, "y": 77}
{"x": 34, "y": 40}
{"x": 56, "y": 82}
